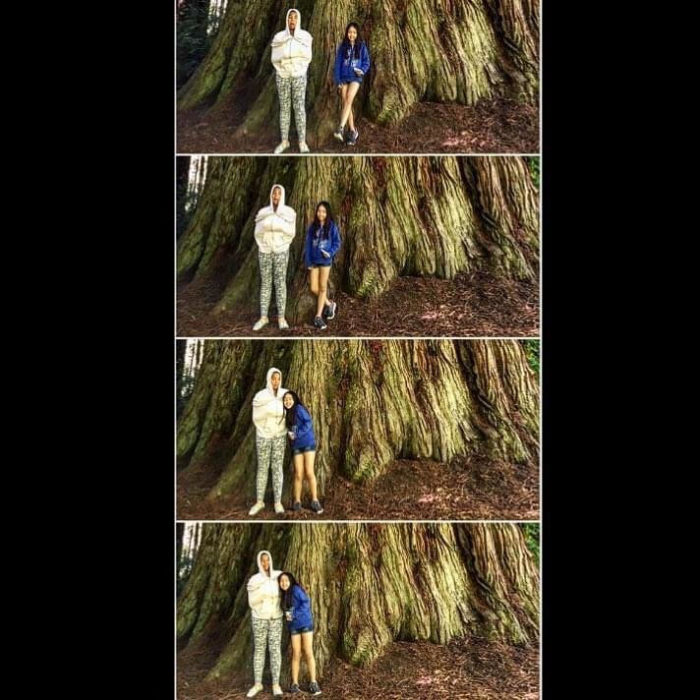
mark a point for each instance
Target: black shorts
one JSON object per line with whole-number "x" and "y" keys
{"x": 302, "y": 630}
{"x": 301, "y": 450}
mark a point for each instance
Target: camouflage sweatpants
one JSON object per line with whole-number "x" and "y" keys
{"x": 267, "y": 633}
{"x": 292, "y": 92}
{"x": 270, "y": 457}
{"x": 273, "y": 268}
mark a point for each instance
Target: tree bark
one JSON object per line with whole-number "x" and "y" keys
{"x": 397, "y": 216}
{"x": 372, "y": 402}
{"x": 458, "y": 51}
{"x": 369, "y": 585}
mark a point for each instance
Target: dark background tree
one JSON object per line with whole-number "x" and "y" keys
{"x": 372, "y": 401}
{"x": 431, "y": 217}
{"x": 461, "y": 51}
{"x": 193, "y": 41}
{"x": 369, "y": 584}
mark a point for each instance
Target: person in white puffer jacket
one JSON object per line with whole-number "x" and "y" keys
{"x": 270, "y": 439}
{"x": 291, "y": 55}
{"x": 266, "y": 614}
{"x": 275, "y": 226}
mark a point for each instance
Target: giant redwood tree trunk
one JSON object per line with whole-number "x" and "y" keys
{"x": 459, "y": 51}
{"x": 369, "y": 585}
{"x": 372, "y": 402}
{"x": 397, "y": 216}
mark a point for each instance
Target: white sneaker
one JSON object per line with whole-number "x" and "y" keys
{"x": 254, "y": 511}
{"x": 283, "y": 324}
{"x": 282, "y": 147}
{"x": 277, "y": 691}
{"x": 303, "y": 147}
{"x": 279, "y": 508}
{"x": 262, "y": 322}
{"x": 254, "y": 691}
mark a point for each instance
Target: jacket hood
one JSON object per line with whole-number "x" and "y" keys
{"x": 268, "y": 383}
{"x": 286, "y": 20}
{"x": 282, "y": 197}
{"x": 260, "y": 567}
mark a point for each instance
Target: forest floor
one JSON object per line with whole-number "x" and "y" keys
{"x": 493, "y": 126}
{"x": 469, "y": 305}
{"x": 473, "y": 488}
{"x": 466, "y": 668}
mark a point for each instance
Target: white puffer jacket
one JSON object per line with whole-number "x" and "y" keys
{"x": 263, "y": 592}
{"x": 291, "y": 53}
{"x": 268, "y": 410}
{"x": 275, "y": 229}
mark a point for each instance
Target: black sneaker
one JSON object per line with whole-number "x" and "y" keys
{"x": 329, "y": 311}
{"x": 316, "y": 507}
{"x": 297, "y": 507}
{"x": 320, "y": 324}
{"x": 314, "y": 689}
{"x": 294, "y": 688}
{"x": 352, "y": 138}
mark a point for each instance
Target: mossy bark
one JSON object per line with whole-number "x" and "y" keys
{"x": 369, "y": 585}
{"x": 457, "y": 51}
{"x": 397, "y": 216}
{"x": 371, "y": 401}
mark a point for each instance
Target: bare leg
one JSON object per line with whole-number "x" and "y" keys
{"x": 313, "y": 280}
{"x": 298, "y": 476}
{"x": 343, "y": 99}
{"x": 296, "y": 657}
{"x": 307, "y": 640}
{"x": 323, "y": 273}
{"x": 347, "y": 102}
{"x": 309, "y": 459}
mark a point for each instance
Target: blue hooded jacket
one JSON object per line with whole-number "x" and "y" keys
{"x": 346, "y": 62}
{"x": 301, "y": 610}
{"x": 303, "y": 429}
{"x": 316, "y": 243}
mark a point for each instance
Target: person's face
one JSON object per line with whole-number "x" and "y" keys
{"x": 352, "y": 33}
{"x": 275, "y": 380}
{"x": 288, "y": 401}
{"x": 321, "y": 213}
{"x": 265, "y": 561}
{"x": 276, "y": 196}
{"x": 284, "y": 583}
{"x": 293, "y": 20}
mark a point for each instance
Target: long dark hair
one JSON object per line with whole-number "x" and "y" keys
{"x": 346, "y": 41}
{"x": 290, "y": 414}
{"x": 326, "y": 228}
{"x": 286, "y": 596}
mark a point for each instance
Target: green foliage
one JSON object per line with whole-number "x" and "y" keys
{"x": 193, "y": 42}
{"x": 531, "y": 531}
{"x": 532, "y": 351}
{"x": 533, "y": 164}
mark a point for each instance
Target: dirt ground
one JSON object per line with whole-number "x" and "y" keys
{"x": 465, "y": 489}
{"x": 469, "y": 305}
{"x": 466, "y": 668}
{"x": 493, "y": 126}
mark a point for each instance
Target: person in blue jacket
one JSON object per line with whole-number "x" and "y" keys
{"x": 300, "y": 431}
{"x": 351, "y": 66}
{"x": 296, "y": 606}
{"x": 322, "y": 245}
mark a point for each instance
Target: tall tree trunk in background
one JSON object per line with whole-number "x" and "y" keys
{"x": 397, "y": 216}
{"x": 179, "y": 534}
{"x": 182, "y": 177}
{"x": 369, "y": 585}
{"x": 180, "y": 349}
{"x": 459, "y": 51}
{"x": 372, "y": 402}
